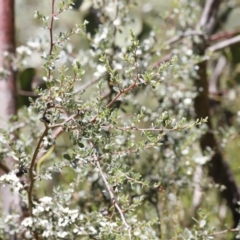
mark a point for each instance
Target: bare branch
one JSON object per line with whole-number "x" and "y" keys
{"x": 224, "y": 35}
{"x": 27, "y": 93}
{"x": 224, "y": 44}
{"x": 225, "y": 231}
{"x": 197, "y": 194}
{"x": 208, "y": 18}
{"x": 183, "y": 35}
{"x": 206, "y": 13}
{"x": 214, "y": 80}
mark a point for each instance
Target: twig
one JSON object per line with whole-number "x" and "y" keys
{"x": 27, "y": 93}
{"x": 111, "y": 193}
{"x": 149, "y": 129}
{"x": 183, "y": 35}
{"x": 32, "y": 174}
{"x": 214, "y": 37}
{"x": 86, "y": 85}
{"x": 31, "y": 168}
{"x": 113, "y": 47}
{"x": 135, "y": 84}
{"x": 197, "y": 194}
{"x": 61, "y": 125}
{"x": 208, "y": 18}
{"x": 214, "y": 80}
{"x": 162, "y": 60}
{"x": 121, "y": 92}
{"x": 130, "y": 151}
{"x": 206, "y": 14}
{"x": 133, "y": 180}
{"x": 58, "y": 131}
{"x": 226, "y": 231}
{"x": 224, "y": 35}
{"x": 224, "y": 44}
{"x": 51, "y": 35}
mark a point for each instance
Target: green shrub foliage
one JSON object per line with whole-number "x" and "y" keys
{"x": 108, "y": 148}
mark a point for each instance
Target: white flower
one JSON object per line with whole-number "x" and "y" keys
{"x": 202, "y": 223}
{"x": 5, "y": 53}
{"x": 45, "y": 223}
{"x": 99, "y": 37}
{"x": 34, "y": 44}
{"x": 62, "y": 222}
{"x": 38, "y": 209}
{"x": 189, "y": 52}
{"x": 12, "y": 179}
{"x": 187, "y": 101}
{"x": 118, "y": 66}
{"x": 111, "y": 7}
{"x": 27, "y": 222}
{"x": 100, "y": 70}
{"x": 23, "y": 50}
{"x": 46, "y": 200}
{"x": 92, "y": 229}
{"x": 47, "y": 233}
{"x": 138, "y": 52}
{"x": 202, "y": 159}
{"x": 185, "y": 151}
{"x": 62, "y": 234}
{"x": 117, "y": 22}
{"x": 147, "y": 7}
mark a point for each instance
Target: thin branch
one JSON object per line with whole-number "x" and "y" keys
{"x": 121, "y": 92}
{"x": 218, "y": 70}
{"x": 225, "y": 231}
{"x": 135, "y": 84}
{"x": 31, "y": 168}
{"x": 209, "y": 15}
{"x": 61, "y": 125}
{"x": 86, "y": 85}
{"x": 183, "y": 35}
{"x": 214, "y": 37}
{"x": 206, "y": 13}
{"x": 130, "y": 151}
{"x": 32, "y": 175}
{"x": 58, "y": 131}
{"x": 224, "y": 35}
{"x": 149, "y": 129}
{"x": 51, "y": 31}
{"x": 113, "y": 47}
{"x": 27, "y": 93}
{"x": 224, "y": 44}
{"x": 197, "y": 194}
{"x": 162, "y": 60}
{"x": 111, "y": 193}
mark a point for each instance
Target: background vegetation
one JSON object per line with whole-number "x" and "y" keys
{"x": 126, "y": 123}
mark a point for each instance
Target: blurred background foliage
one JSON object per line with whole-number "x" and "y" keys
{"x": 172, "y": 169}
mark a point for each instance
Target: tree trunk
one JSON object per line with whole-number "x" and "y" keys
{"x": 218, "y": 168}
{"x": 10, "y": 200}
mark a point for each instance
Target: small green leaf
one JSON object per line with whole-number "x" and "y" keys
{"x": 80, "y": 144}
{"x": 67, "y": 156}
